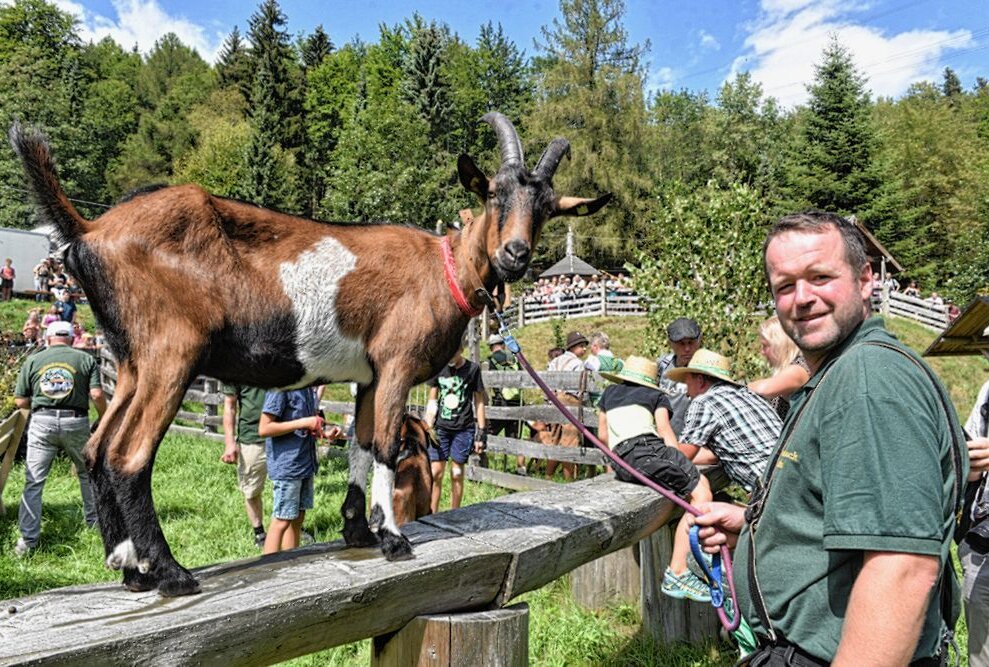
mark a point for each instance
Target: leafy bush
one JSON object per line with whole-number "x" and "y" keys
{"x": 707, "y": 264}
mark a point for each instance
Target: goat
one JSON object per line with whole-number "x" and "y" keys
{"x": 413, "y": 477}
{"x": 258, "y": 297}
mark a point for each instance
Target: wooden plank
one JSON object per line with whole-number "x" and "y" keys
{"x": 189, "y": 430}
{"x": 271, "y": 608}
{"x": 562, "y": 380}
{"x": 589, "y": 455}
{"x": 543, "y": 413}
{"x": 506, "y": 480}
{"x": 17, "y": 421}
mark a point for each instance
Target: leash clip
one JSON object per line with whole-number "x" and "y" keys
{"x": 712, "y": 574}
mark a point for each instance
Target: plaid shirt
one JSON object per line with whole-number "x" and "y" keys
{"x": 738, "y": 426}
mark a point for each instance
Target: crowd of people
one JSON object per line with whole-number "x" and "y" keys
{"x": 850, "y": 454}
{"x": 558, "y": 290}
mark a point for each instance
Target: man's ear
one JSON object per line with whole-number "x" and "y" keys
{"x": 471, "y": 177}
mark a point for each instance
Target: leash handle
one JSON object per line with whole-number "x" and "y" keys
{"x": 729, "y": 624}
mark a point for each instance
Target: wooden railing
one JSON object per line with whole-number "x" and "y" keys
{"x": 529, "y": 309}
{"x": 11, "y": 430}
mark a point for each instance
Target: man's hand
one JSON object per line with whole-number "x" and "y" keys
{"x": 978, "y": 457}
{"x": 720, "y": 525}
{"x": 315, "y": 426}
{"x": 332, "y": 432}
{"x": 229, "y": 453}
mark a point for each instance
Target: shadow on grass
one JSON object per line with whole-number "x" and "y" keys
{"x": 642, "y": 649}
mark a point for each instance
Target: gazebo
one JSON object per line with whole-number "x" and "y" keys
{"x": 570, "y": 264}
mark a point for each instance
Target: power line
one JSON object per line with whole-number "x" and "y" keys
{"x": 71, "y": 199}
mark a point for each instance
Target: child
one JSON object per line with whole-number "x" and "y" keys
{"x": 457, "y": 395}
{"x": 634, "y": 421}
{"x": 290, "y": 425}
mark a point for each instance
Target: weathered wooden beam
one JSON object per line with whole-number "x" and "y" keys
{"x": 589, "y": 455}
{"x": 270, "y": 608}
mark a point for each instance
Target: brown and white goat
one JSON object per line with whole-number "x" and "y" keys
{"x": 257, "y": 297}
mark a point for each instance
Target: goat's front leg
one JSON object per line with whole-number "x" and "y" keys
{"x": 389, "y": 406}
{"x": 356, "y": 532}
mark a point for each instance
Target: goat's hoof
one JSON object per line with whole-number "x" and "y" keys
{"x": 359, "y": 536}
{"x": 396, "y": 547}
{"x": 137, "y": 581}
{"x": 184, "y": 584}
{"x": 377, "y": 519}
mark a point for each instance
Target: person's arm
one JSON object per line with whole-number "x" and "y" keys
{"x": 877, "y": 632}
{"x": 783, "y": 384}
{"x": 705, "y": 457}
{"x": 432, "y": 406}
{"x": 270, "y": 427}
{"x": 690, "y": 451}
{"x": 98, "y": 399}
{"x": 664, "y": 428}
{"x": 480, "y": 432}
{"x": 603, "y": 427}
{"x": 22, "y": 402}
{"x": 229, "y": 429}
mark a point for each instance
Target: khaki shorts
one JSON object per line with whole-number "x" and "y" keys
{"x": 252, "y": 469}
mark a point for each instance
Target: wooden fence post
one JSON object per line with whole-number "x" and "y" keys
{"x": 608, "y": 580}
{"x": 12, "y": 429}
{"x": 664, "y": 618}
{"x": 212, "y": 409}
{"x": 498, "y": 638}
{"x": 604, "y": 300}
{"x": 521, "y": 312}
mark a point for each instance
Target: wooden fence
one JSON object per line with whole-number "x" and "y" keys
{"x": 529, "y": 310}
{"x": 930, "y": 315}
{"x": 267, "y": 609}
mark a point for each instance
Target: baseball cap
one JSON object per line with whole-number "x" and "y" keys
{"x": 495, "y": 339}
{"x": 59, "y": 329}
{"x": 683, "y": 327}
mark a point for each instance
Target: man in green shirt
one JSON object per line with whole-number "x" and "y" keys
{"x": 57, "y": 385}
{"x": 242, "y": 407}
{"x": 842, "y": 562}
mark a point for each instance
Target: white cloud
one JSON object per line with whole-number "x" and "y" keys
{"x": 142, "y": 23}
{"x": 660, "y": 79}
{"x": 790, "y": 36}
{"x": 708, "y": 41}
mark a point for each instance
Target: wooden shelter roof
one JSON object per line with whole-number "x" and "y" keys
{"x": 877, "y": 250}
{"x": 568, "y": 266}
{"x": 966, "y": 335}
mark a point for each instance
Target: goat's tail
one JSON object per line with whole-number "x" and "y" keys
{"x": 31, "y": 145}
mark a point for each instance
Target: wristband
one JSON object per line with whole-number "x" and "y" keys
{"x": 432, "y": 407}
{"x": 480, "y": 435}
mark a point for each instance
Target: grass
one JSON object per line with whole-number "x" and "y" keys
{"x": 203, "y": 518}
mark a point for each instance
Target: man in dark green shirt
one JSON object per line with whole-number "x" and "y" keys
{"x": 242, "y": 407}
{"x": 855, "y": 526}
{"x": 57, "y": 385}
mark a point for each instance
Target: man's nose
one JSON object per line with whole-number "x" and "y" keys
{"x": 803, "y": 293}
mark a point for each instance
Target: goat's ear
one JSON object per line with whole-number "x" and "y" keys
{"x": 579, "y": 206}
{"x": 471, "y": 177}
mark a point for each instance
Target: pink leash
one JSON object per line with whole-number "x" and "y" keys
{"x": 730, "y": 624}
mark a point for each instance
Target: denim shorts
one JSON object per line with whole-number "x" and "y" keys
{"x": 291, "y": 496}
{"x": 456, "y": 445}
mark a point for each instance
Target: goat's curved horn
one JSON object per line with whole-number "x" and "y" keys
{"x": 551, "y": 157}
{"x": 508, "y": 138}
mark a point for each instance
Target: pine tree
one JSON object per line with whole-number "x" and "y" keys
{"x": 272, "y": 58}
{"x": 952, "y": 85}
{"x": 262, "y": 186}
{"x": 233, "y": 67}
{"x": 315, "y": 48}
{"x": 424, "y": 86}
{"x": 836, "y": 170}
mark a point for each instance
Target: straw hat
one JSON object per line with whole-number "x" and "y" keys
{"x": 637, "y": 370}
{"x": 704, "y": 362}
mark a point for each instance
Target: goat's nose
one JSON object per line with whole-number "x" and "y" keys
{"x": 517, "y": 252}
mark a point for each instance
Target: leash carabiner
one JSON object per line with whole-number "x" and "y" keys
{"x": 711, "y": 574}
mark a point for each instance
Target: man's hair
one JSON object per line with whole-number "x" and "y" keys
{"x": 601, "y": 340}
{"x": 819, "y": 222}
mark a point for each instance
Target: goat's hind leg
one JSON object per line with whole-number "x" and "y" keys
{"x": 118, "y": 548}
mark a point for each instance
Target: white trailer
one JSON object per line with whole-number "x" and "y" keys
{"x": 26, "y": 248}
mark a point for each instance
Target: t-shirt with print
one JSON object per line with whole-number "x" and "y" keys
{"x": 293, "y": 455}
{"x": 631, "y": 411}
{"x": 58, "y": 377}
{"x": 456, "y": 395}
{"x": 249, "y": 404}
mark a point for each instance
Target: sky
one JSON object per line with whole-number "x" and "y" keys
{"x": 694, "y": 44}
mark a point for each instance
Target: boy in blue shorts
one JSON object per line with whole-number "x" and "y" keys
{"x": 456, "y": 409}
{"x": 290, "y": 425}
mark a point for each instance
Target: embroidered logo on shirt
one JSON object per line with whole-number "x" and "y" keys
{"x": 56, "y": 380}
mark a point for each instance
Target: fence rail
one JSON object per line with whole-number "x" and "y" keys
{"x": 529, "y": 310}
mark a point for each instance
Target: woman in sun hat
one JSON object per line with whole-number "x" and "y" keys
{"x": 634, "y": 421}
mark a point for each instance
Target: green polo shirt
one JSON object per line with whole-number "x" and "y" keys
{"x": 59, "y": 377}
{"x": 249, "y": 402}
{"x": 868, "y": 467}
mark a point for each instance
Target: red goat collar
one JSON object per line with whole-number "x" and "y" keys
{"x": 450, "y": 271}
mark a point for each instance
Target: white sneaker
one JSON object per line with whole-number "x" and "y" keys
{"x": 22, "y": 548}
